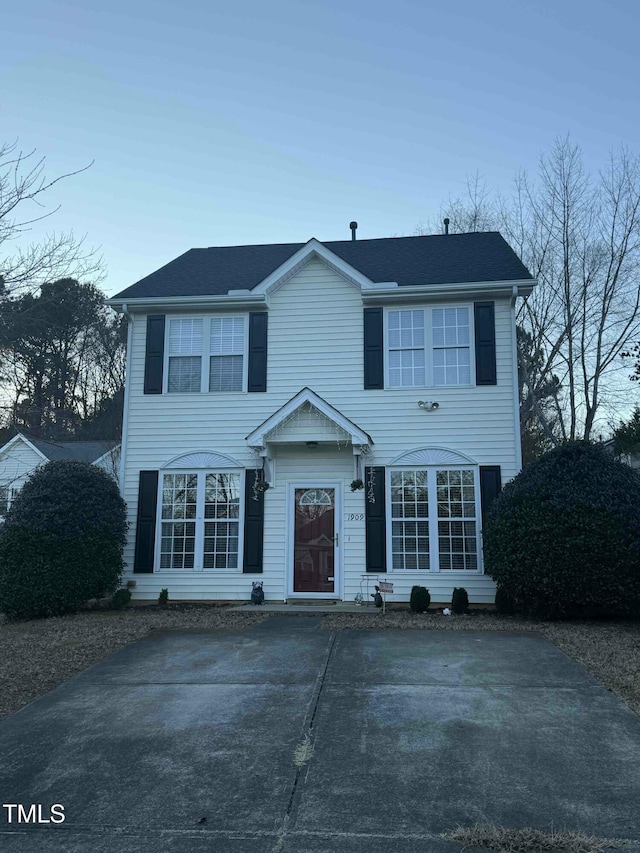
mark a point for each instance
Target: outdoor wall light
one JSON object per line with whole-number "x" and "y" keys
{"x": 428, "y": 406}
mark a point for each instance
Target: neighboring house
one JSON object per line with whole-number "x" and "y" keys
{"x": 630, "y": 458}
{"x": 20, "y": 457}
{"x": 304, "y": 367}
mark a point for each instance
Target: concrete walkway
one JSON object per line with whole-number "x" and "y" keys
{"x": 290, "y": 738}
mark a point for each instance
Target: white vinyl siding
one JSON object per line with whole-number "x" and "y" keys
{"x": 451, "y": 346}
{"x": 199, "y": 521}
{"x": 432, "y": 518}
{"x": 206, "y": 354}
{"x": 428, "y": 347}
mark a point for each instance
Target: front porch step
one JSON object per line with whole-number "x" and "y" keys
{"x": 316, "y": 607}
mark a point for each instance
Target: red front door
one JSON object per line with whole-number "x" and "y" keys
{"x": 313, "y": 540}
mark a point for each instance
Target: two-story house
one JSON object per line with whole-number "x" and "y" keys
{"x": 306, "y": 414}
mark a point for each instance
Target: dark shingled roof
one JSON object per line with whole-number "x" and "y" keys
{"x": 81, "y": 451}
{"x": 438, "y": 259}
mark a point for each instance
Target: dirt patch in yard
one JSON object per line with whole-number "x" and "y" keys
{"x": 37, "y": 656}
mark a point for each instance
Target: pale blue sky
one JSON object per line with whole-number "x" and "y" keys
{"x": 256, "y": 122}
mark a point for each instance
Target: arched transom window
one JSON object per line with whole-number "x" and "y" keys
{"x": 315, "y": 497}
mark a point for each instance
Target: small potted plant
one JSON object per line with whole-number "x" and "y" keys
{"x": 357, "y": 485}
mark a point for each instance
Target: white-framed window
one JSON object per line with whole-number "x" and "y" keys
{"x": 206, "y": 354}
{"x": 7, "y": 496}
{"x": 226, "y": 350}
{"x": 433, "y": 519}
{"x": 185, "y": 355}
{"x": 409, "y": 519}
{"x": 199, "y": 521}
{"x": 406, "y": 350}
{"x": 5, "y": 501}
{"x": 451, "y": 346}
{"x": 429, "y": 347}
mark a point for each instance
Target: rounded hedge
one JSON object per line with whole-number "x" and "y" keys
{"x": 62, "y": 541}
{"x": 562, "y": 541}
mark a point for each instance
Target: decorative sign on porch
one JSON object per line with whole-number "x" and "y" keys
{"x": 384, "y": 587}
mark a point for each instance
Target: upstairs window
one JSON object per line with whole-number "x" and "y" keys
{"x": 406, "y": 349}
{"x": 185, "y": 355}
{"x": 428, "y": 347}
{"x": 206, "y": 354}
{"x": 226, "y": 350}
{"x": 451, "y": 348}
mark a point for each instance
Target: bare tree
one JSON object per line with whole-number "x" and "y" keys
{"x": 579, "y": 234}
{"x": 23, "y": 185}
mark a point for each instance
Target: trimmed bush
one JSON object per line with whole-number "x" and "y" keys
{"x": 62, "y": 541}
{"x": 459, "y": 600}
{"x": 121, "y": 597}
{"x": 163, "y": 598}
{"x": 420, "y": 599}
{"x": 563, "y": 539}
{"x": 504, "y": 603}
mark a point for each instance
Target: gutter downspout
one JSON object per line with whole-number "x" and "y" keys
{"x": 127, "y": 394}
{"x": 516, "y": 394}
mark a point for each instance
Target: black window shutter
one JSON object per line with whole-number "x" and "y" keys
{"x": 253, "y": 526}
{"x": 375, "y": 523}
{"x": 485, "y": 334}
{"x": 373, "y": 348}
{"x": 490, "y": 487}
{"x": 154, "y": 355}
{"x": 257, "y": 371}
{"x": 146, "y": 522}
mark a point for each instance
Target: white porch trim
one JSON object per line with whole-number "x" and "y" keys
{"x": 258, "y": 439}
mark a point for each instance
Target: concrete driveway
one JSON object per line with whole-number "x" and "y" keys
{"x": 289, "y": 738}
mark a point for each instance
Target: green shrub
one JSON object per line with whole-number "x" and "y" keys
{"x": 563, "y": 539}
{"x": 420, "y": 599}
{"x": 121, "y": 597}
{"x": 459, "y": 600}
{"x": 62, "y": 541}
{"x": 163, "y": 598}
{"x": 504, "y": 603}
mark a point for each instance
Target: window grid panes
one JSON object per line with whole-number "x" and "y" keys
{"x": 185, "y": 355}
{"x": 222, "y": 513}
{"x": 434, "y": 519}
{"x": 451, "y": 346}
{"x": 457, "y": 539}
{"x": 200, "y": 520}
{"x": 406, "y": 348}
{"x": 226, "y": 348}
{"x": 179, "y": 500}
{"x": 409, "y": 520}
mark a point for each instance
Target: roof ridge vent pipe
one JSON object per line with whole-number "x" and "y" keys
{"x": 354, "y": 228}
{"x": 446, "y": 225}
